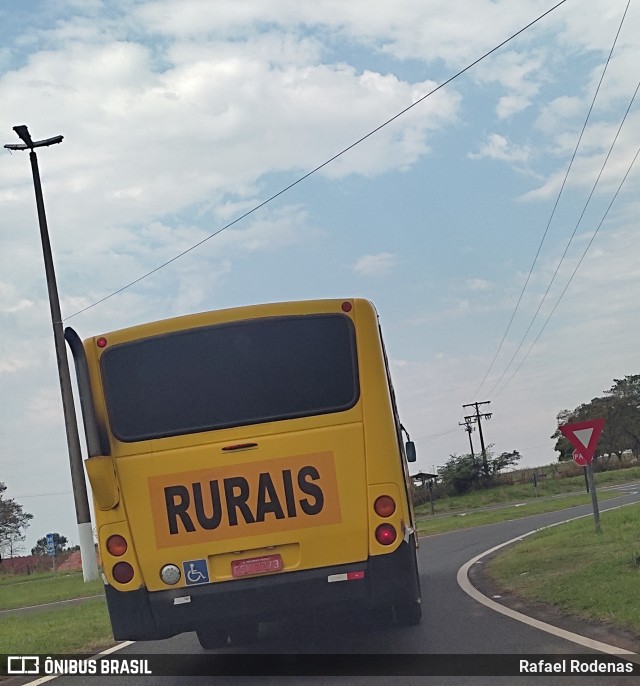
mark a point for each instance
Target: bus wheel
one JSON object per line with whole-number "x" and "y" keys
{"x": 408, "y": 614}
{"x": 212, "y": 638}
{"x": 244, "y": 634}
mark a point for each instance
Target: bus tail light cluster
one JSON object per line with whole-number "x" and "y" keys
{"x": 385, "y": 506}
{"x": 386, "y": 534}
{"x": 117, "y": 546}
{"x": 122, "y": 572}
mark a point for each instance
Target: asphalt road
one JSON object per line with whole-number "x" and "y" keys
{"x": 453, "y": 623}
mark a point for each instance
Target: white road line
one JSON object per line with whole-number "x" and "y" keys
{"x": 466, "y": 585}
{"x": 108, "y": 651}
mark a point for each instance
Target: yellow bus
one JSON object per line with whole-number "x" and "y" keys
{"x": 247, "y": 464}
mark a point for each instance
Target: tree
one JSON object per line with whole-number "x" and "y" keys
{"x": 563, "y": 446}
{"x": 497, "y": 464}
{"x": 624, "y": 396}
{"x": 59, "y": 542}
{"x": 620, "y": 408}
{"x": 460, "y": 473}
{"x": 13, "y": 521}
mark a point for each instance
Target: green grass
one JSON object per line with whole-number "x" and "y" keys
{"x": 8, "y": 579}
{"x": 454, "y": 521}
{"x": 21, "y": 591}
{"x": 83, "y": 628}
{"x": 525, "y": 491}
{"x": 590, "y": 575}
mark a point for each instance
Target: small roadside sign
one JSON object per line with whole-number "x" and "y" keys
{"x": 51, "y": 546}
{"x": 584, "y": 436}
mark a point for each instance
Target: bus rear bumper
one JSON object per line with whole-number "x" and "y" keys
{"x": 387, "y": 580}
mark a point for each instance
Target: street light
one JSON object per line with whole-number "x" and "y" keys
{"x": 83, "y": 515}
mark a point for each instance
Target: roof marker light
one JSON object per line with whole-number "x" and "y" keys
{"x": 346, "y": 306}
{"x": 101, "y": 342}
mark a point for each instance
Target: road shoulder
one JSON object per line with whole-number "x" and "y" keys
{"x": 597, "y": 631}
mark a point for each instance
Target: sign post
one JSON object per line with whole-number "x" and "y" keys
{"x": 578, "y": 458}
{"x": 584, "y": 436}
{"x": 51, "y": 551}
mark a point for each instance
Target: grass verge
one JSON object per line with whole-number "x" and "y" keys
{"x": 83, "y": 628}
{"x": 16, "y": 592}
{"x": 454, "y": 521}
{"x": 525, "y": 491}
{"x": 589, "y": 575}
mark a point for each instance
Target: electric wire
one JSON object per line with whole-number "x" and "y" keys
{"x": 584, "y": 209}
{"x": 432, "y": 437}
{"x": 319, "y": 167}
{"x": 553, "y": 211}
{"x": 555, "y": 307}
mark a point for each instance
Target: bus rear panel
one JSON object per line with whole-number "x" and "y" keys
{"x": 250, "y": 466}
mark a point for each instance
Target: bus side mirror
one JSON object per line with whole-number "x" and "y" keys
{"x": 410, "y": 449}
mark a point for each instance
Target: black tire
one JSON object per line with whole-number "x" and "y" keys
{"x": 408, "y": 614}
{"x": 210, "y": 639}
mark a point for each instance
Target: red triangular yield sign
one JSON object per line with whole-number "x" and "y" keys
{"x": 584, "y": 436}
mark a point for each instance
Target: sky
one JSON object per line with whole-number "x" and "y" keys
{"x": 179, "y": 117}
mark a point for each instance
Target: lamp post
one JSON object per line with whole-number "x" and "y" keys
{"x": 83, "y": 515}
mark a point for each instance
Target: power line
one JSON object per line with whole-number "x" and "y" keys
{"x": 564, "y": 254}
{"x": 553, "y": 211}
{"x": 595, "y": 233}
{"x": 320, "y": 166}
{"x": 42, "y": 495}
{"x": 432, "y": 437}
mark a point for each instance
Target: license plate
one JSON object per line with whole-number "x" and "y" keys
{"x": 256, "y": 565}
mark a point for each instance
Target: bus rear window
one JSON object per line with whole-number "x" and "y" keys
{"x": 247, "y": 372}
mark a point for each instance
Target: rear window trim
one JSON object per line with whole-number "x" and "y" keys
{"x": 266, "y": 419}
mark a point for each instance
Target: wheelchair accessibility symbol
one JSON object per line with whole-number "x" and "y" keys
{"x": 195, "y": 572}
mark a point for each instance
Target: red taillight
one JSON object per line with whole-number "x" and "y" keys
{"x": 384, "y": 506}
{"x": 117, "y": 545}
{"x": 101, "y": 342}
{"x": 386, "y": 534}
{"x": 122, "y": 572}
{"x": 346, "y": 306}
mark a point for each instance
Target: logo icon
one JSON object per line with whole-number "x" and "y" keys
{"x": 23, "y": 664}
{"x": 195, "y": 572}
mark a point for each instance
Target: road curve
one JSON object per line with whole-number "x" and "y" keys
{"x": 453, "y": 623}
{"x": 580, "y": 640}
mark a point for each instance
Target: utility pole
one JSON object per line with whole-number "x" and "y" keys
{"x": 469, "y": 429}
{"x": 83, "y": 515}
{"x": 476, "y": 418}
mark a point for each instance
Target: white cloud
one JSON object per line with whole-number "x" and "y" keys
{"x": 520, "y": 73}
{"x": 480, "y": 284}
{"x": 381, "y": 264}
{"x": 497, "y": 147}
